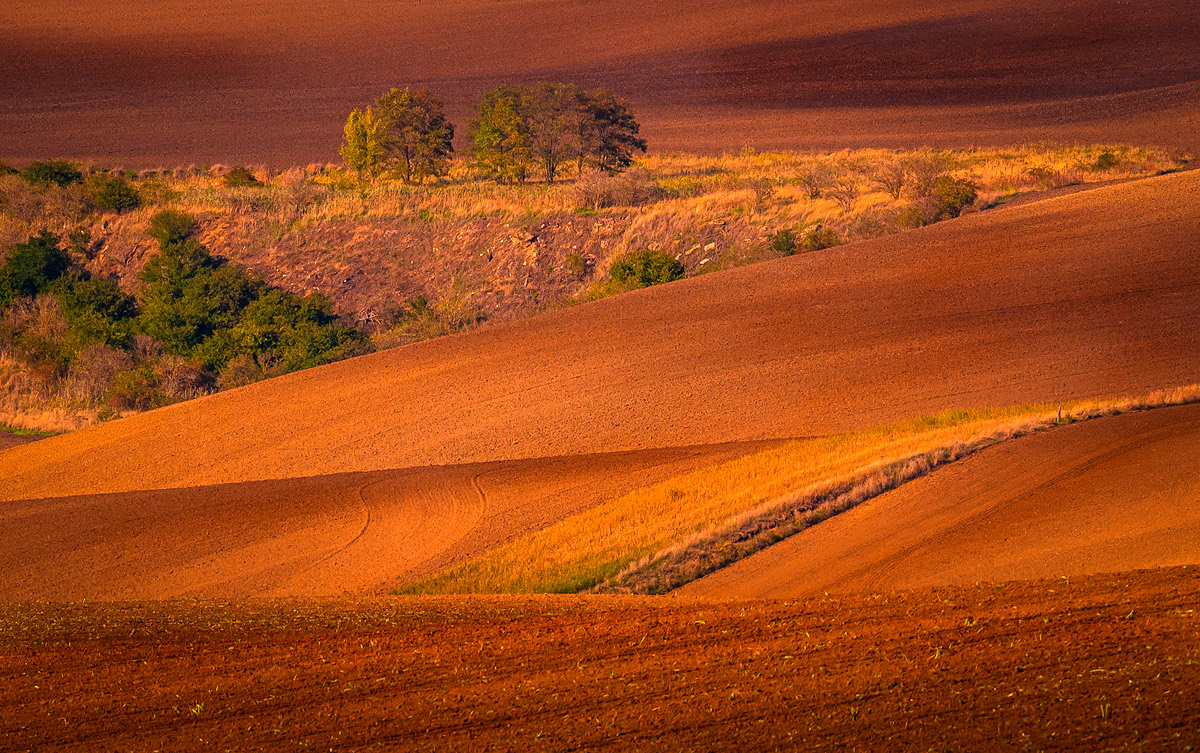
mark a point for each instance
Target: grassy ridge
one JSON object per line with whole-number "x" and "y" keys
{"x": 670, "y": 529}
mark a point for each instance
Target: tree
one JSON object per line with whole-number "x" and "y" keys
{"x": 550, "y": 124}
{"x": 552, "y": 113}
{"x": 363, "y": 149}
{"x": 608, "y": 131}
{"x": 499, "y": 136}
{"x": 418, "y": 138}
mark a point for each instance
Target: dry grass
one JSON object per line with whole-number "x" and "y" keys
{"x": 661, "y": 536}
{"x": 27, "y": 404}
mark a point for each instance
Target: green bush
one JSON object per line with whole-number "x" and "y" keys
{"x": 112, "y": 193}
{"x": 31, "y": 267}
{"x": 785, "y": 241}
{"x": 54, "y": 172}
{"x": 240, "y": 177}
{"x": 7, "y": 169}
{"x": 135, "y": 389}
{"x": 170, "y": 226}
{"x": 818, "y": 238}
{"x": 952, "y": 196}
{"x": 1106, "y": 161}
{"x": 97, "y": 310}
{"x": 641, "y": 269}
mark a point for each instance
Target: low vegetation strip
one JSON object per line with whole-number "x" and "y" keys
{"x": 660, "y": 537}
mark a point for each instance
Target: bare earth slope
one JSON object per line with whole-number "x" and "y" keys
{"x": 326, "y": 535}
{"x": 182, "y": 81}
{"x": 1091, "y": 294}
{"x": 1108, "y": 495}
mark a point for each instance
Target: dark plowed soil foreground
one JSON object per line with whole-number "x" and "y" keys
{"x": 1106, "y": 662}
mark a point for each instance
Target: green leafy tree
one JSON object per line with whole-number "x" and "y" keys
{"x": 364, "y": 145}
{"x": 552, "y": 113}
{"x": 608, "y": 131}
{"x": 418, "y": 138}
{"x": 500, "y": 137}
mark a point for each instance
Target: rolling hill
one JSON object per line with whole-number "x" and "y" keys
{"x": 251, "y": 81}
{"x": 1092, "y": 294}
{"x": 320, "y": 536}
{"x": 1110, "y": 495}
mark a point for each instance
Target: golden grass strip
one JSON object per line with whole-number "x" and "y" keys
{"x": 662, "y": 536}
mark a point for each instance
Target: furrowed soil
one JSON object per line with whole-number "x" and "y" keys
{"x": 1089, "y": 295}
{"x": 1100, "y": 663}
{"x": 252, "y": 81}
{"x": 317, "y": 536}
{"x": 1106, "y": 495}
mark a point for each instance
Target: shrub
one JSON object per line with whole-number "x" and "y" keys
{"x": 953, "y": 195}
{"x": 54, "y": 172}
{"x": 112, "y": 193}
{"x": 597, "y": 189}
{"x": 240, "y": 371}
{"x": 170, "y": 226}
{"x": 641, "y": 269}
{"x": 818, "y": 238}
{"x": 93, "y": 372}
{"x": 135, "y": 389}
{"x": 785, "y": 241}
{"x": 31, "y": 267}
{"x": 97, "y": 310}
{"x": 1106, "y": 161}
{"x": 814, "y": 180}
{"x": 240, "y": 177}
{"x": 913, "y": 216}
{"x": 7, "y": 169}
{"x": 581, "y": 266}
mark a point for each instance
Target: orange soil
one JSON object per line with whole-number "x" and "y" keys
{"x": 247, "y": 80}
{"x": 1092, "y": 294}
{"x": 326, "y": 535}
{"x": 1102, "y": 663}
{"x": 1108, "y": 495}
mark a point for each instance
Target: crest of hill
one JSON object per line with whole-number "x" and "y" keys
{"x": 1087, "y": 295}
{"x": 1110, "y": 495}
{"x": 252, "y": 81}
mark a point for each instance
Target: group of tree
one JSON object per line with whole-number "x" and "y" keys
{"x": 190, "y": 305}
{"x": 519, "y": 131}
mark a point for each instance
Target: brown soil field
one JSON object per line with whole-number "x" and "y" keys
{"x": 1088, "y": 295}
{"x": 1099, "y": 663}
{"x": 252, "y": 81}
{"x": 319, "y": 536}
{"x": 1107, "y": 495}
{"x": 9, "y": 439}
